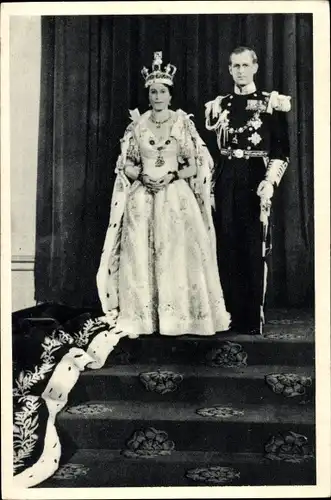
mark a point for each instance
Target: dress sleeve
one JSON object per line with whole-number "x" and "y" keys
{"x": 187, "y": 147}
{"x": 130, "y": 153}
{"x": 133, "y": 152}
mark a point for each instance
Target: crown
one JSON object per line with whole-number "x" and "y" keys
{"x": 158, "y": 74}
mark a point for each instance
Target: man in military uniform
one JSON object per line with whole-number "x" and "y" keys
{"x": 251, "y": 131}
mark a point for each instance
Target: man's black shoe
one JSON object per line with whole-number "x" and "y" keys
{"x": 254, "y": 331}
{"x": 249, "y": 330}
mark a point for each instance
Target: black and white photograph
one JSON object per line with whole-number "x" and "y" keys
{"x": 165, "y": 176}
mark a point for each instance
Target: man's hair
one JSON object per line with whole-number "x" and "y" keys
{"x": 240, "y": 50}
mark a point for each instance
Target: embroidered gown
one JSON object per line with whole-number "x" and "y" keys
{"x": 159, "y": 266}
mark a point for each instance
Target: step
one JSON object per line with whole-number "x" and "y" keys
{"x": 244, "y": 428}
{"x": 109, "y": 468}
{"x": 280, "y": 345}
{"x": 196, "y": 384}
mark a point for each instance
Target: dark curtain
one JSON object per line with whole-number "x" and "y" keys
{"x": 90, "y": 77}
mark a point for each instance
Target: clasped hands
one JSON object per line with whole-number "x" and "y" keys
{"x": 155, "y": 185}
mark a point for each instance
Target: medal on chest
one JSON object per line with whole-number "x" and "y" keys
{"x": 256, "y": 105}
{"x": 252, "y": 125}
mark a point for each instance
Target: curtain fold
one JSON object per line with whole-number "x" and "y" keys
{"x": 90, "y": 77}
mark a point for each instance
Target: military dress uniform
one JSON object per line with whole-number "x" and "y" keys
{"x": 252, "y": 137}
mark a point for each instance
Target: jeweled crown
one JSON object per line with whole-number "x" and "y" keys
{"x": 159, "y": 74}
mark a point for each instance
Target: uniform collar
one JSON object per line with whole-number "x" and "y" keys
{"x": 248, "y": 89}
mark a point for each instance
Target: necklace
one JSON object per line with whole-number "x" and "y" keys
{"x": 158, "y": 124}
{"x": 160, "y": 160}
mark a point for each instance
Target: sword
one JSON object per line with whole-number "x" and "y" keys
{"x": 265, "y": 206}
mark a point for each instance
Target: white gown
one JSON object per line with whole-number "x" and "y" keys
{"x": 166, "y": 273}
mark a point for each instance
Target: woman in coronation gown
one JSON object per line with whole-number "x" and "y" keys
{"x": 158, "y": 270}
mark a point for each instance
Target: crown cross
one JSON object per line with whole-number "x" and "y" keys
{"x": 159, "y": 74}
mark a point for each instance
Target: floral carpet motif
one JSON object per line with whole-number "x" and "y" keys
{"x": 286, "y": 321}
{"x": 71, "y": 471}
{"x": 228, "y": 355}
{"x": 89, "y": 409}
{"x": 160, "y": 381}
{"x": 149, "y": 443}
{"x": 288, "y": 384}
{"x": 213, "y": 475}
{"x": 284, "y": 336}
{"x": 288, "y": 447}
{"x": 47, "y": 362}
{"x": 219, "y": 412}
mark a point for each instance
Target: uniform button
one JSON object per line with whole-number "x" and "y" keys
{"x": 229, "y": 104}
{"x": 249, "y": 147}
{"x": 255, "y": 95}
{"x": 241, "y": 129}
{"x": 231, "y": 96}
{"x": 250, "y": 129}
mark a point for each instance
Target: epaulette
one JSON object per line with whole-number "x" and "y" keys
{"x": 214, "y": 106}
{"x": 277, "y": 102}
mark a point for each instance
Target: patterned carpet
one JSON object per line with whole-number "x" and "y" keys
{"x": 223, "y": 410}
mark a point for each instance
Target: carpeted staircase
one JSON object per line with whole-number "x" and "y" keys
{"x": 224, "y": 410}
